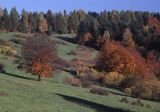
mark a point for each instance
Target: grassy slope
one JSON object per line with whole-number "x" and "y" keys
{"x": 24, "y": 94}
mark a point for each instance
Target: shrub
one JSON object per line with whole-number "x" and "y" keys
{"x": 139, "y": 102}
{"x": 148, "y": 106}
{"x": 133, "y": 103}
{"x": 112, "y": 79}
{"x": 98, "y": 90}
{"x": 89, "y": 76}
{"x": 73, "y": 81}
{"x": 95, "y": 74}
{"x": 128, "y": 91}
{"x": 128, "y": 82}
{"x": 148, "y": 89}
{"x": 86, "y": 83}
{"x": 125, "y": 100}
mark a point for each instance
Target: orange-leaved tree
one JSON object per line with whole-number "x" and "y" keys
{"x": 114, "y": 57}
{"x": 39, "y": 53}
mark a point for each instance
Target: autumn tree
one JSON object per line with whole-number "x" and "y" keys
{"x": 153, "y": 22}
{"x": 116, "y": 58}
{"x": 39, "y": 53}
{"x": 101, "y": 40}
{"x": 128, "y": 39}
{"x": 83, "y": 34}
{"x": 43, "y": 26}
{"x": 81, "y": 15}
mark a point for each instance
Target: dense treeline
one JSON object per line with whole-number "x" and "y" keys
{"x": 92, "y": 27}
{"x": 30, "y": 22}
{"x": 143, "y": 28}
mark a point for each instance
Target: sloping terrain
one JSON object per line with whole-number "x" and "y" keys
{"x": 20, "y": 92}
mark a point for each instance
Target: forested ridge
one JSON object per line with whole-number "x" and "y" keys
{"x": 91, "y": 27}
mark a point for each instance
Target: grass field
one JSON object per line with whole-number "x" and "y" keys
{"x": 20, "y": 92}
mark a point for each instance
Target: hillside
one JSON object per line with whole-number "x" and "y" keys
{"x": 20, "y": 92}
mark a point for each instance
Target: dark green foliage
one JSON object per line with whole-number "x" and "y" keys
{"x": 73, "y": 22}
{"x": 116, "y": 22}
{"x": 50, "y": 20}
{"x": 24, "y": 23}
{"x": 6, "y": 20}
{"x": 61, "y": 26}
{"x": 92, "y": 23}
{"x": 14, "y": 16}
{"x": 33, "y": 20}
{"x": 83, "y": 28}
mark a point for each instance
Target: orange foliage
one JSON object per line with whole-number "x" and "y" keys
{"x": 101, "y": 40}
{"x": 153, "y": 22}
{"x": 153, "y": 63}
{"x": 41, "y": 69}
{"x": 85, "y": 38}
{"x": 39, "y": 53}
{"x": 116, "y": 58}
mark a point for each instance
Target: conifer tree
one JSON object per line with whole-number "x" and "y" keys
{"x": 24, "y": 25}
{"x": 33, "y": 21}
{"x": 60, "y": 23}
{"x": 14, "y": 17}
{"x": 5, "y": 20}
{"x": 50, "y": 20}
{"x": 128, "y": 39}
{"x": 73, "y": 22}
{"x": 43, "y": 26}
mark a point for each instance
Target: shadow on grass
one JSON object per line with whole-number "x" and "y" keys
{"x": 121, "y": 94}
{"x": 72, "y": 72}
{"x": 96, "y": 106}
{"x": 17, "y": 76}
{"x": 90, "y": 43}
{"x": 70, "y": 40}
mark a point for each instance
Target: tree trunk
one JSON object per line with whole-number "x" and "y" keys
{"x": 39, "y": 78}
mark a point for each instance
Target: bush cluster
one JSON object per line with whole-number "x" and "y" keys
{"x": 116, "y": 58}
{"x": 128, "y": 70}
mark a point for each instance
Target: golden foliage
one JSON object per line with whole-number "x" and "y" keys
{"x": 113, "y": 78}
